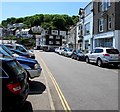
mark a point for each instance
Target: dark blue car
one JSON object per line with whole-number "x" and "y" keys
{"x": 78, "y": 55}
{"x": 32, "y": 66}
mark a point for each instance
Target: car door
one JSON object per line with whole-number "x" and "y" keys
{"x": 91, "y": 55}
{"x": 97, "y": 53}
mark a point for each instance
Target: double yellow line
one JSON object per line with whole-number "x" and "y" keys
{"x": 60, "y": 94}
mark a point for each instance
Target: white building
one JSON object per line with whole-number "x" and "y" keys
{"x": 79, "y": 34}
{"x": 23, "y": 33}
{"x": 88, "y": 27}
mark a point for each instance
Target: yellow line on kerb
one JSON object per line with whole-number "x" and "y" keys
{"x": 60, "y": 94}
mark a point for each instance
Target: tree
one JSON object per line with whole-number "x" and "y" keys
{"x": 59, "y": 22}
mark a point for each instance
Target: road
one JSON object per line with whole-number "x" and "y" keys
{"x": 84, "y": 86}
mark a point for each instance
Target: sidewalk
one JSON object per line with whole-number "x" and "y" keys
{"x": 38, "y": 96}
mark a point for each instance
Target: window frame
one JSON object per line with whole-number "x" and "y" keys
{"x": 87, "y": 28}
{"x": 101, "y": 24}
{"x": 109, "y": 22}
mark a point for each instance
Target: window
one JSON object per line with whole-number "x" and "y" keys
{"x": 106, "y": 5}
{"x": 80, "y": 27}
{"x": 100, "y": 5}
{"x": 86, "y": 44}
{"x": 58, "y": 42}
{"x": 87, "y": 10}
{"x": 101, "y": 23}
{"x": 98, "y": 51}
{"x": 57, "y": 37}
{"x": 109, "y": 23}
{"x": 50, "y": 37}
{"x": 104, "y": 42}
{"x": 50, "y": 42}
{"x": 112, "y": 51}
{"x": 87, "y": 29}
{"x": 20, "y": 49}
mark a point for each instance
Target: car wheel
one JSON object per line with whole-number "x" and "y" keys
{"x": 115, "y": 65}
{"x": 72, "y": 57}
{"x": 99, "y": 62}
{"x": 78, "y": 58}
{"x": 87, "y": 60}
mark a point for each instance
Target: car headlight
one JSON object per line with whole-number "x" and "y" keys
{"x": 36, "y": 66}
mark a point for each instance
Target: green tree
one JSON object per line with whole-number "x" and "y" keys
{"x": 59, "y": 22}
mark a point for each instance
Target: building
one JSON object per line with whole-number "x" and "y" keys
{"x": 106, "y": 24}
{"x": 71, "y": 40}
{"x": 88, "y": 27}
{"x": 80, "y": 29}
{"x": 1, "y": 28}
{"x": 50, "y": 38}
{"x": 23, "y": 33}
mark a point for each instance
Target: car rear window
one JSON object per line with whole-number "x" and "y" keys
{"x": 112, "y": 51}
{"x": 15, "y": 67}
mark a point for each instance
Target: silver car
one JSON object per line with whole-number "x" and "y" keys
{"x": 21, "y": 48}
{"x": 101, "y": 56}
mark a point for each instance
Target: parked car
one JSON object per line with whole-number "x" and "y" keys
{"x": 60, "y": 50}
{"x": 78, "y": 55}
{"x": 32, "y": 66}
{"x": 15, "y": 87}
{"x": 101, "y": 56}
{"x": 63, "y": 50}
{"x": 57, "y": 50}
{"x": 68, "y": 52}
{"x": 21, "y": 50}
{"x": 20, "y": 53}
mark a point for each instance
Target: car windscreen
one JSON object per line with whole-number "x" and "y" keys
{"x": 3, "y": 53}
{"x": 112, "y": 51}
{"x": 6, "y": 49}
{"x": 20, "y": 48}
{"x": 9, "y": 46}
{"x": 79, "y": 51}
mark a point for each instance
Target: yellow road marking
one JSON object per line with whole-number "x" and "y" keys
{"x": 60, "y": 94}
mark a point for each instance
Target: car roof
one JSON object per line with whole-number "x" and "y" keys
{"x": 6, "y": 59}
{"x": 104, "y": 48}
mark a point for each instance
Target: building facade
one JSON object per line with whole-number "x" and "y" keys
{"x": 106, "y": 24}
{"x": 50, "y": 38}
{"x": 23, "y": 33}
{"x": 88, "y": 27}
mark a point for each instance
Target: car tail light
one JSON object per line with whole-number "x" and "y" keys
{"x": 106, "y": 54}
{"x": 119, "y": 54}
{"x": 14, "y": 88}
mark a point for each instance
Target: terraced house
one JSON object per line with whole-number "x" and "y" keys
{"x": 106, "y": 25}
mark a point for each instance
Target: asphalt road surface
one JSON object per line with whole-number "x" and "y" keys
{"x": 84, "y": 86}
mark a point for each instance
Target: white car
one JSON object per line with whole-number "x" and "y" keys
{"x": 59, "y": 50}
{"x": 101, "y": 56}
